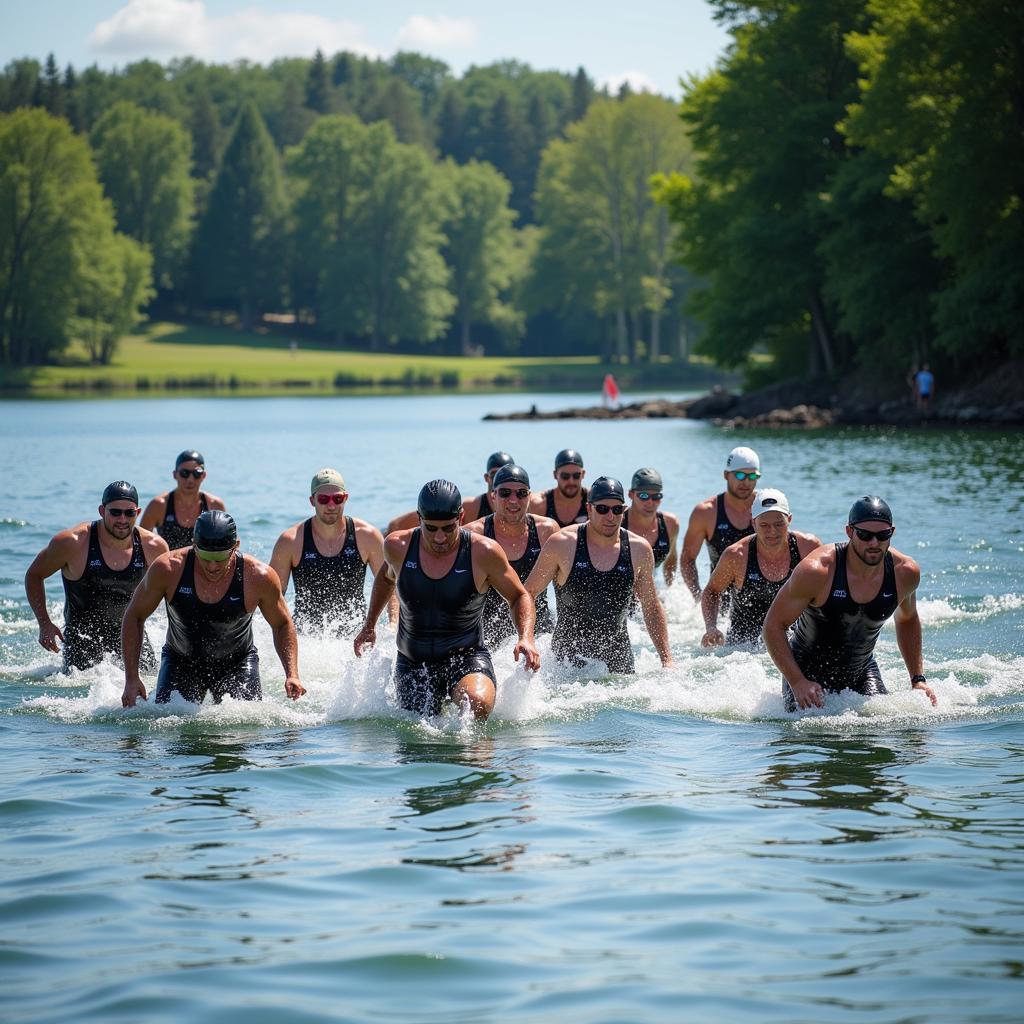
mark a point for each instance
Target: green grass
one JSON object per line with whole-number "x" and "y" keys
{"x": 174, "y": 357}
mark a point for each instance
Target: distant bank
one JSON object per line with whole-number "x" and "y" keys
{"x": 173, "y": 358}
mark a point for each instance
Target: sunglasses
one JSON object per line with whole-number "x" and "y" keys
{"x": 214, "y": 556}
{"x": 186, "y": 473}
{"x": 331, "y": 499}
{"x": 603, "y": 510}
{"x": 570, "y": 476}
{"x": 744, "y": 474}
{"x": 449, "y": 528}
{"x": 507, "y": 492}
{"x": 868, "y": 535}
{"x": 649, "y": 495}
{"x": 128, "y": 513}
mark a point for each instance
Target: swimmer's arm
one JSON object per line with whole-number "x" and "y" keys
{"x": 654, "y": 614}
{"x": 154, "y": 514}
{"x": 793, "y": 598}
{"x": 668, "y": 567}
{"x": 545, "y": 569}
{"x": 50, "y": 560}
{"x": 503, "y": 578}
{"x": 723, "y": 577}
{"x": 214, "y": 502}
{"x": 371, "y": 545}
{"x": 406, "y": 521}
{"x": 270, "y": 601}
{"x": 382, "y": 592}
{"x": 538, "y": 503}
{"x": 146, "y": 599}
{"x": 908, "y": 632}
{"x": 471, "y": 509}
{"x": 281, "y": 559}
{"x": 696, "y": 534}
{"x": 153, "y": 546}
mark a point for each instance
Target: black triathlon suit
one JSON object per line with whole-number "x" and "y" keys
{"x": 834, "y": 645}
{"x": 209, "y": 647}
{"x": 498, "y": 626}
{"x": 94, "y": 605}
{"x": 661, "y": 546}
{"x": 581, "y": 514}
{"x": 751, "y": 602}
{"x": 724, "y": 535}
{"x": 329, "y": 588}
{"x": 176, "y": 535}
{"x": 485, "y": 506}
{"x": 440, "y": 629}
{"x": 593, "y": 607}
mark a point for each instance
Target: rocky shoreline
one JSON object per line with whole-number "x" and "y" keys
{"x": 995, "y": 400}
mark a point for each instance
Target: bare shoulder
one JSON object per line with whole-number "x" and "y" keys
{"x": 476, "y": 526}
{"x": 640, "y": 550}
{"x": 291, "y": 535}
{"x": 671, "y": 522}
{"x": 546, "y": 527}
{"x": 259, "y": 573}
{"x": 158, "y": 503}
{"x": 367, "y": 529}
{"x": 168, "y": 565}
{"x": 485, "y": 547}
{"x": 907, "y": 570}
{"x": 814, "y": 570}
{"x": 152, "y": 542}
{"x": 214, "y": 502}
{"x": 704, "y": 515}
{"x": 805, "y": 542}
{"x": 69, "y": 539}
{"x": 736, "y": 553}
{"x": 396, "y": 544}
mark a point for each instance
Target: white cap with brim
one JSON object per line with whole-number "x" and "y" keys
{"x": 742, "y": 458}
{"x": 769, "y": 500}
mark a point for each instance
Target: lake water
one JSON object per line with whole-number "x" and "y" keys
{"x": 666, "y": 847}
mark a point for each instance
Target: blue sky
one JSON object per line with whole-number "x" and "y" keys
{"x": 651, "y": 43}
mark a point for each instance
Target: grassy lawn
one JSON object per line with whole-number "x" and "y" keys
{"x": 171, "y": 356}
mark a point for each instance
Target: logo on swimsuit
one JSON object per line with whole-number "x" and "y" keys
{"x": 184, "y": 590}
{"x": 461, "y": 571}
{"x": 753, "y": 575}
{"x": 887, "y": 595}
{"x": 95, "y": 563}
{"x": 839, "y": 593}
{"x": 722, "y": 526}
{"x": 582, "y": 565}
{"x": 410, "y": 565}
{"x": 309, "y": 555}
{"x": 234, "y": 598}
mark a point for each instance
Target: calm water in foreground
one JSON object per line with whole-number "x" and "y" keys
{"x": 666, "y": 847}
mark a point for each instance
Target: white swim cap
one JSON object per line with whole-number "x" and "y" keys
{"x": 743, "y": 458}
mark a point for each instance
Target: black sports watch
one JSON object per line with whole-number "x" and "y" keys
{"x": 918, "y": 679}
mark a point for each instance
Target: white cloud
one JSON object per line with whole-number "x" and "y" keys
{"x": 178, "y": 28}
{"x": 638, "y": 81}
{"x": 438, "y": 33}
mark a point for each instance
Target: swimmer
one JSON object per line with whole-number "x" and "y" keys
{"x": 566, "y": 502}
{"x": 754, "y": 569}
{"x": 597, "y": 567}
{"x": 442, "y": 573}
{"x": 644, "y": 518}
{"x": 521, "y": 536}
{"x": 839, "y": 597}
{"x": 723, "y": 519}
{"x": 211, "y": 590}
{"x": 326, "y": 556}
{"x": 100, "y": 564}
{"x": 173, "y": 513}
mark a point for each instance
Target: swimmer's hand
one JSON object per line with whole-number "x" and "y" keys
{"x": 133, "y": 689}
{"x": 927, "y": 690}
{"x": 713, "y": 638}
{"x": 366, "y": 637}
{"x": 293, "y": 688}
{"x": 668, "y": 663}
{"x": 808, "y": 694}
{"x": 531, "y": 656}
{"x": 49, "y": 634}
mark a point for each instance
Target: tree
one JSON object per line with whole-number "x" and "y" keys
{"x": 207, "y": 134}
{"x": 604, "y": 240}
{"x": 144, "y": 160}
{"x": 582, "y": 94}
{"x": 942, "y": 108}
{"x": 318, "y": 88}
{"x": 481, "y": 250}
{"x": 450, "y": 127}
{"x": 752, "y": 219}
{"x": 57, "y": 240}
{"x": 237, "y": 251}
{"x": 53, "y": 94}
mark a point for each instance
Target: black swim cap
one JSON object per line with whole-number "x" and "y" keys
{"x": 568, "y": 457}
{"x": 439, "y": 499}
{"x": 119, "y": 490}
{"x": 511, "y": 474}
{"x": 870, "y": 508}
{"x": 498, "y": 459}
{"x": 606, "y": 487}
{"x": 215, "y": 531}
{"x": 189, "y": 455}
{"x": 646, "y": 479}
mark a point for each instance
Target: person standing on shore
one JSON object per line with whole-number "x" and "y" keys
{"x": 597, "y": 568}
{"x": 100, "y": 563}
{"x": 839, "y": 597}
{"x": 644, "y": 518}
{"x": 754, "y": 569}
{"x": 566, "y": 502}
{"x": 521, "y": 535}
{"x": 174, "y": 513}
{"x": 442, "y": 573}
{"x": 721, "y": 520}
{"x": 211, "y": 591}
{"x": 326, "y": 556}
{"x": 924, "y": 387}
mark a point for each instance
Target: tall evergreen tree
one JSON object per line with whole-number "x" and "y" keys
{"x": 318, "y": 88}
{"x": 237, "y": 255}
{"x": 72, "y": 104}
{"x": 207, "y": 134}
{"x": 582, "y": 94}
{"x": 53, "y": 94}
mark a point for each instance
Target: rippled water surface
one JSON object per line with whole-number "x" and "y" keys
{"x": 664, "y": 847}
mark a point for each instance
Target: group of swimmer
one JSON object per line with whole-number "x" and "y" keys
{"x": 460, "y": 577}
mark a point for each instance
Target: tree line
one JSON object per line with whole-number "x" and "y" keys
{"x": 856, "y": 200}
{"x": 381, "y": 204}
